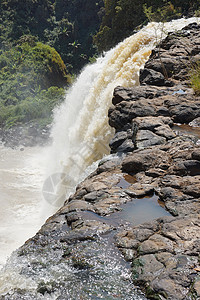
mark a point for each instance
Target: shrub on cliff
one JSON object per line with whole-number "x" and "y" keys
{"x": 44, "y": 61}
{"x": 195, "y": 78}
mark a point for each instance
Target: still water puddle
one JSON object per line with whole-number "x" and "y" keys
{"x": 185, "y": 129}
{"x": 126, "y": 181}
{"x": 135, "y": 212}
{"x": 139, "y": 211}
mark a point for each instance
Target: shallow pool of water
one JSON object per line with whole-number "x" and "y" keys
{"x": 142, "y": 210}
{"x": 187, "y": 130}
{"x": 126, "y": 181}
{"x": 135, "y": 212}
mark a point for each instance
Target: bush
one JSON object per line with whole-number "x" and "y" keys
{"x": 34, "y": 108}
{"x": 163, "y": 14}
{"x": 195, "y": 78}
{"x": 32, "y": 77}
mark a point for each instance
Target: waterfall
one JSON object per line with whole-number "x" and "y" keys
{"x": 81, "y": 133}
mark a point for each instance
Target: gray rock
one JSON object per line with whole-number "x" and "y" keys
{"x": 118, "y": 139}
{"x": 122, "y": 94}
{"x": 151, "y": 123}
{"x": 155, "y": 172}
{"x": 165, "y": 131}
{"x": 195, "y": 122}
{"x": 142, "y": 160}
{"x": 94, "y": 196}
{"x": 151, "y": 77}
{"x": 132, "y": 94}
{"x": 185, "y": 114}
{"x": 146, "y": 138}
{"x": 162, "y": 260}
{"x": 126, "y": 146}
{"x": 190, "y": 167}
{"x": 196, "y": 154}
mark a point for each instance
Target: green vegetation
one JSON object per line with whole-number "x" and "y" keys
{"x": 43, "y": 44}
{"x": 123, "y": 16}
{"x": 38, "y": 108}
{"x": 66, "y": 25}
{"x": 195, "y": 78}
{"x": 31, "y": 79}
{"x": 163, "y": 14}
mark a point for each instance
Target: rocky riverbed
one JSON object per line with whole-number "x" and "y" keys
{"x": 150, "y": 156}
{"x": 27, "y": 135}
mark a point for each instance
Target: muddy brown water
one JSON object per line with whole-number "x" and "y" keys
{"x": 187, "y": 130}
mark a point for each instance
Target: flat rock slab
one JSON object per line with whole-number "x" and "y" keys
{"x": 165, "y": 255}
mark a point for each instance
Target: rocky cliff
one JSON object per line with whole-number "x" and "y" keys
{"x": 153, "y": 156}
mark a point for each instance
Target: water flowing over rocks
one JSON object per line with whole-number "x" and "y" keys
{"x": 149, "y": 157}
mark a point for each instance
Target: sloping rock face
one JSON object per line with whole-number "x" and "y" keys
{"x": 149, "y": 156}
{"x": 164, "y": 253}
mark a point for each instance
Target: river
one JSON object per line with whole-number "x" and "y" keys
{"x": 21, "y": 176}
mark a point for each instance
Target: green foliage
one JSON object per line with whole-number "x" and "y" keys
{"x": 104, "y": 38}
{"x": 42, "y": 42}
{"x": 195, "y": 78}
{"x": 151, "y": 294}
{"x": 197, "y": 13}
{"x": 58, "y": 23}
{"x": 123, "y": 16}
{"x": 93, "y": 59}
{"x": 24, "y": 69}
{"x": 31, "y": 77}
{"x": 137, "y": 267}
{"x": 38, "y": 108}
{"x": 163, "y": 14}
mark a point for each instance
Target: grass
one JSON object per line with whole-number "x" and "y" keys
{"x": 195, "y": 78}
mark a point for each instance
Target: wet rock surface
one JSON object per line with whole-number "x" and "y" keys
{"x": 151, "y": 158}
{"x": 164, "y": 253}
{"x": 165, "y": 256}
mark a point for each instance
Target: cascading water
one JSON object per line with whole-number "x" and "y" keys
{"x": 81, "y": 132}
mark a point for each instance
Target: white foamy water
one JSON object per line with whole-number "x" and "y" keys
{"x": 80, "y": 136}
{"x": 21, "y": 177}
